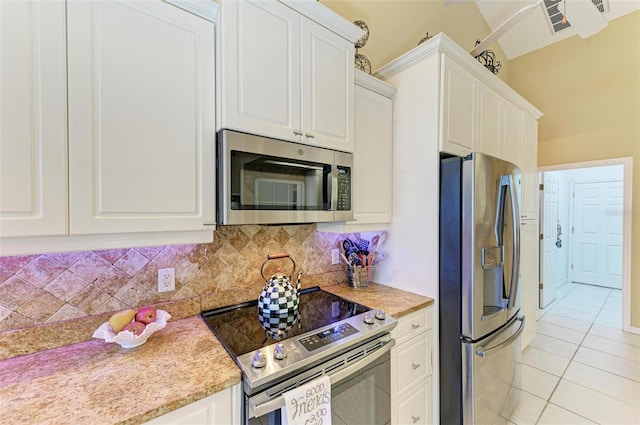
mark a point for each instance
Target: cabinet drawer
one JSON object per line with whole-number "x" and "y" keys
{"x": 415, "y": 408}
{"x": 413, "y": 361}
{"x": 412, "y": 325}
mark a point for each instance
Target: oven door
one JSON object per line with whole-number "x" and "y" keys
{"x": 268, "y": 181}
{"x": 360, "y": 392}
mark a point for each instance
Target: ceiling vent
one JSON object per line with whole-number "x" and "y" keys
{"x": 555, "y": 13}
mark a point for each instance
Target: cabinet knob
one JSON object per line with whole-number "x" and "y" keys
{"x": 415, "y": 419}
{"x": 415, "y": 366}
{"x": 297, "y": 132}
{"x": 414, "y": 326}
{"x": 309, "y": 135}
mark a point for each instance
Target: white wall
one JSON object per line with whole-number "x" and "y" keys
{"x": 565, "y": 178}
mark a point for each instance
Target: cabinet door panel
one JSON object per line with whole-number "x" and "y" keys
{"x": 327, "y": 88}
{"x": 458, "y": 108}
{"x": 413, "y": 362}
{"x": 511, "y": 142}
{"x": 33, "y": 133}
{"x": 372, "y": 159}
{"x": 529, "y": 180}
{"x": 415, "y": 408}
{"x": 260, "y": 68}
{"x": 141, "y": 126}
{"x": 489, "y": 114}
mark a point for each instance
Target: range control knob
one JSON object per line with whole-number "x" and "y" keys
{"x": 259, "y": 359}
{"x": 279, "y": 352}
{"x": 368, "y": 318}
{"x": 380, "y": 314}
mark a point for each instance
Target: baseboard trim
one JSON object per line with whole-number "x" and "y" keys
{"x": 633, "y": 330}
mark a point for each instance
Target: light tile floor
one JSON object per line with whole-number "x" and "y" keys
{"x": 581, "y": 368}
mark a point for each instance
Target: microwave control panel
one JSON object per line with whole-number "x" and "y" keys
{"x": 344, "y": 189}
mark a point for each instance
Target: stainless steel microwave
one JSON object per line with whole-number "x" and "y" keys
{"x": 269, "y": 181}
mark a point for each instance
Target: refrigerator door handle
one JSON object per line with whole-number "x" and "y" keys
{"x": 482, "y": 352}
{"x": 515, "y": 268}
{"x": 499, "y": 222}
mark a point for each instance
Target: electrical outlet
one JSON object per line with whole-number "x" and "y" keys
{"x": 335, "y": 256}
{"x": 166, "y": 280}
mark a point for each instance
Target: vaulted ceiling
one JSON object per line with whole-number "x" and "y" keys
{"x": 537, "y": 29}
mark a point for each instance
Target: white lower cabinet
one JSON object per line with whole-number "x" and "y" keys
{"x": 220, "y": 408}
{"x": 411, "y": 370}
{"x": 415, "y": 408}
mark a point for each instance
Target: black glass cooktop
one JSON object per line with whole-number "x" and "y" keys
{"x": 240, "y": 331}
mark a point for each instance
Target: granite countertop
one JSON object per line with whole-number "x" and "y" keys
{"x": 394, "y": 302}
{"x": 99, "y": 383}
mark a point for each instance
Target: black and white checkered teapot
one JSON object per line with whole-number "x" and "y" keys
{"x": 278, "y": 302}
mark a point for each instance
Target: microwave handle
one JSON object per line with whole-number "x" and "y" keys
{"x": 332, "y": 187}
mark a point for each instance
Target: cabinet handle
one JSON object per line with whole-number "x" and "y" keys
{"x": 297, "y": 132}
{"x": 415, "y": 419}
{"x": 414, "y": 326}
{"x": 415, "y": 366}
{"x": 309, "y": 135}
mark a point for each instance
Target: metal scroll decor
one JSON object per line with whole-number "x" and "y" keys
{"x": 488, "y": 59}
{"x": 361, "y": 61}
{"x": 425, "y": 38}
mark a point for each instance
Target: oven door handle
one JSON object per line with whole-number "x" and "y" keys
{"x": 335, "y": 378}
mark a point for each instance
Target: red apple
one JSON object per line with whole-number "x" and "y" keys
{"x": 146, "y": 315}
{"x": 135, "y": 328}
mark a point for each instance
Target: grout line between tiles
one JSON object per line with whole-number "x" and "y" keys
{"x": 547, "y": 402}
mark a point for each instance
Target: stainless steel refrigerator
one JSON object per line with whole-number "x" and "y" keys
{"x": 479, "y": 290}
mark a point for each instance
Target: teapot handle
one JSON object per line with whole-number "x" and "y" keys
{"x": 274, "y": 257}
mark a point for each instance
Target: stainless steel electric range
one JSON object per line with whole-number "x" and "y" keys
{"x": 331, "y": 336}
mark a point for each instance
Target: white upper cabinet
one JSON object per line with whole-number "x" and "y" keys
{"x": 259, "y": 67}
{"x": 141, "y": 117}
{"x": 372, "y": 168}
{"x": 511, "y": 135}
{"x": 489, "y": 119}
{"x": 477, "y": 112}
{"x": 33, "y": 116}
{"x": 529, "y": 178}
{"x": 458, "y": 116}
{"x": 135, "y": 81}
{"x": 327, "y": 88}
{"x": 282, "y": 75}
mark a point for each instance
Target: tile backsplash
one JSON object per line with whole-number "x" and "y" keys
{"x": 48, "y": 288}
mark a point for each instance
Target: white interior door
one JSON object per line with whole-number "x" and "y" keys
{"x": 548, "y": 248}
{"x": 597, "y": 234}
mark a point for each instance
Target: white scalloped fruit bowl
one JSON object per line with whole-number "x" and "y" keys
{"x": 126, "y": 339}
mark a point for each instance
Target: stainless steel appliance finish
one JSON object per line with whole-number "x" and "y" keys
{"x": 299, "y": 357}
{"x": 479, "y": 289}
{"x": 490, "y": 244}
{"x": 333, "y": 337}
{"x": 340, "y": 369}
{"x": 268, "y": 181}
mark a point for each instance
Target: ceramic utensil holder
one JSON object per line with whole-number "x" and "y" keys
{"x": 359, "y": 276}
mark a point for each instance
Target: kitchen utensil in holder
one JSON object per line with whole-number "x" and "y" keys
{"x": 359, "y": 276}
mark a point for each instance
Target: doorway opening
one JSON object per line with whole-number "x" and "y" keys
{"x": 585, "y": 245}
